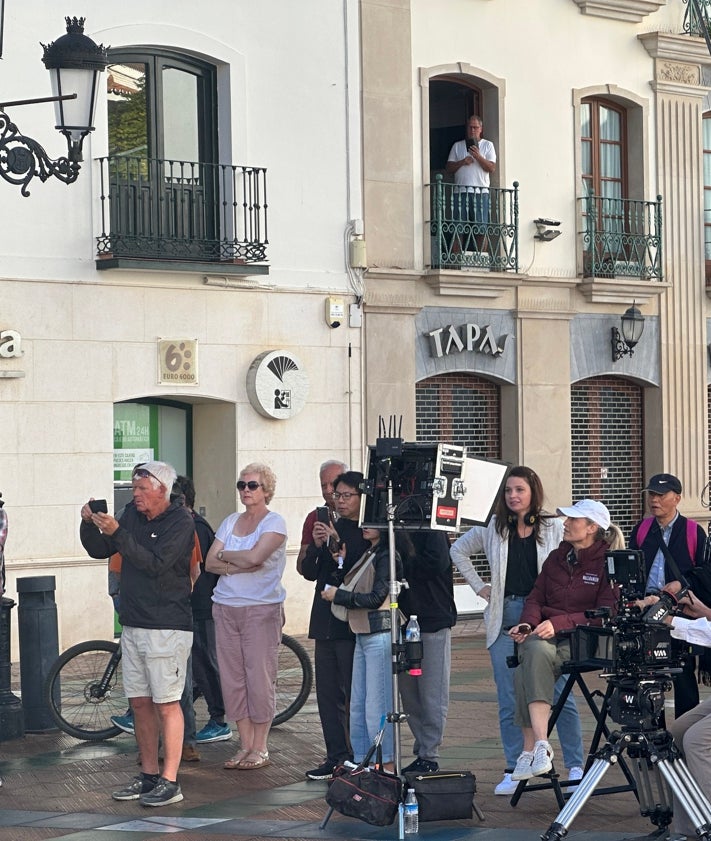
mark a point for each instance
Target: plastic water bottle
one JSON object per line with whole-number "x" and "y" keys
{"x": 412, "y": 631}
{"x": 412, "y": 812}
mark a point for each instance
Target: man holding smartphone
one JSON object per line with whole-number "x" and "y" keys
{"x": 155, "y": 538}
{"x": 471, "y": 161}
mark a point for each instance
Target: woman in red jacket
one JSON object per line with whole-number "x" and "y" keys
{"x": 571, "y": 581}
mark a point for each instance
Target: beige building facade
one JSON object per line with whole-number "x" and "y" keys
{"x": 595, "y": 110}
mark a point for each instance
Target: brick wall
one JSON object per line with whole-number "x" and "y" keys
{"x": 607, "y": 422}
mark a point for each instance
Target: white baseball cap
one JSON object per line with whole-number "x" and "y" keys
{"x": 589, "y": 508}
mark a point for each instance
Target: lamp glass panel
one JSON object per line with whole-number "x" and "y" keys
{"x": 74, "y": 114}
{"x": 632, "y": 326}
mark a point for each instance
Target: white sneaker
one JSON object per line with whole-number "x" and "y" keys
{"x": 507, "y": 785}
{"x": 522, "y": 771}
{"x": 574, "y": 774}
{"x": 542, "y": 759}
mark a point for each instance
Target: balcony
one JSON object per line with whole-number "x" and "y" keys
{"x": 621, "y": 238}
{"x": 159, "y": 213}
{"x": 696, "y": 17}
{"x": 468, "y": 234}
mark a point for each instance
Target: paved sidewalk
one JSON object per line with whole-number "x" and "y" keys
{"x": 57, "y": 787}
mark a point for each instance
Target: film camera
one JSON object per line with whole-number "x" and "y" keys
{"x": 634, "y": 648}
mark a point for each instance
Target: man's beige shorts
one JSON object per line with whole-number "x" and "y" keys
{"x": 154, "y": 663}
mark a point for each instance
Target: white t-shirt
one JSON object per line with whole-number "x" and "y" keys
{"x": 472, "y": 175}
{"x": 263, "y": 586}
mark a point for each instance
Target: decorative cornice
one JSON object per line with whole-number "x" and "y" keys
{"x": 669, "y": 47}
{"x": 619, "y": 291}
{"x": 471, "y": 285}
{"x": 632, "y": 11}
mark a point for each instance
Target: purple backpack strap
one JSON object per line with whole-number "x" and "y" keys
{"x": 643, "y": 530}
{"x": 691, "y": 539}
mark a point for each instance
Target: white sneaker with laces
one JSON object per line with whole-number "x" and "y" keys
{"x": 574, "y": 774}
{"x": 522, "y": 771}
{"x": 542, "y": 759}
{"x": 507, "y": 785}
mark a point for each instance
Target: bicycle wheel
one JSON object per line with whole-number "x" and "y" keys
{"x": 295, "y": 678}
{"x": 74, "y": 694}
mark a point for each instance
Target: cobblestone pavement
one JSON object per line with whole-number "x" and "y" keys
{"x": 57, "y": 787}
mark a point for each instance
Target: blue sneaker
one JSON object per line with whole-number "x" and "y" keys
{"x": 124, "y": 722}
{"x": 214, "y": 732}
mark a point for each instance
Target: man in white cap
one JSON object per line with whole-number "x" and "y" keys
{"x": 572, "y": 580}
{"x": 155, "y": 538}
{"x": 666, "y": 535}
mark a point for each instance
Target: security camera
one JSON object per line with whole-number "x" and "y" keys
{"x": 545, "y": 231}
{"x": 548, "y": 223}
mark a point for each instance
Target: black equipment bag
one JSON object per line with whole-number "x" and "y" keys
{"x": 443, "y": 795}
{"x": 369, "y": 794}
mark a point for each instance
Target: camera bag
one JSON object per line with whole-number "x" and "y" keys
{"x": 443, "y": 795}
{"x": 367, "y": 793}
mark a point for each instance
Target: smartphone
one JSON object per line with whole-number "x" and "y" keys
{"x": 323, "y": 515}
{"x": 98, "y": 506}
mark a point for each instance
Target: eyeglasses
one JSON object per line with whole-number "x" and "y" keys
{"x": 241, "y": 485}
{"x": 337, "y": 495}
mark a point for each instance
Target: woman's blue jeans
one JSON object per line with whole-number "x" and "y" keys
{"x": 371, "y": 694}
{"x": 568, "y": 724}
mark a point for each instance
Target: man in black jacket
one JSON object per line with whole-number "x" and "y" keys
{"x": 685, "y": 542}
{"x": 334, "y": 642}
{"x": 430, "y": 596}
{"x": 155, "y": 538}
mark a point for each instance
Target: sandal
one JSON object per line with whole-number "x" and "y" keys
{"x": 262, "y": 760}
{"x": 234, "y": 763}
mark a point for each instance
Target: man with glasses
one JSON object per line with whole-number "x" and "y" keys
{"x": 328, "y": 473}
{"x": 155, "y": 538}
{"x": 334, "y": 642}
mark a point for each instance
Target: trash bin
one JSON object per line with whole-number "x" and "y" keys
{"x": 39, "y": 647}
{"x": 12, "y": 724}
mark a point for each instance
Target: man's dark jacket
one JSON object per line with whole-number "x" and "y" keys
{"x": 155, "y": 566}
{"x": 678, "y": 547}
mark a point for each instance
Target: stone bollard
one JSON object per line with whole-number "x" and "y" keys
{"x": 12, "y": 724}
{"x": 39, "y": 647}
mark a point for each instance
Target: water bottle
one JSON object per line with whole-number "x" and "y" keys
{"x": 412, "y": 812}
{"x": 412, "y": 631}
{"x": 413, "y": 646}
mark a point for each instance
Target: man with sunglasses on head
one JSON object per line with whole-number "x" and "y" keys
{"x": 155, "y": 537}
{"x": 334, "y": 641}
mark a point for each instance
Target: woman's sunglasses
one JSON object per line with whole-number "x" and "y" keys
{"x": 241, "y": 485}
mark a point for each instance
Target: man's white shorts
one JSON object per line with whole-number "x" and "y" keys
{"x": 154, "y": 663}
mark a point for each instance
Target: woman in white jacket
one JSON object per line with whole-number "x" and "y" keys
{"x": 519, "y": 537}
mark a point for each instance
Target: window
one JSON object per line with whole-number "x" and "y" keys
{"x": 602, "y": 135}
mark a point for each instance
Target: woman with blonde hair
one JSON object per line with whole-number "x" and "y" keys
{"x": 249, "y": 555}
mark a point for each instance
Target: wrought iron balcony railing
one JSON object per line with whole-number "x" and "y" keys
{"x": 622, "y": 237}
{"x": 180, "y": 210}
{"x": 473, "y": 230}
{"x": 696, "y": 18}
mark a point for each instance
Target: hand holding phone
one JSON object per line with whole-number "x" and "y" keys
{"x": 323, "y": 515}
{"x": 98, "y": 506}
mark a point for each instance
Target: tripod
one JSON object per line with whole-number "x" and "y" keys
{"x": 655, "y": 762}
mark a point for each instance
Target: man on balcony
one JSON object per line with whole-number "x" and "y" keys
{"x": 471, "y": 161}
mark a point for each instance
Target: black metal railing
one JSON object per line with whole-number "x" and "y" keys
{"x": 696, "y": 17}
{"x": 622, "y": 237}
{"x": 180, "y": 210}
{"x": 473, "y": 230}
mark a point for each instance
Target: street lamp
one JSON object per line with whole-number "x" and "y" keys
{"x": 632, "y": 325}
{"x": 74, "y": 62}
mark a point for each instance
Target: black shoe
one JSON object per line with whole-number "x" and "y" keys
{"x": 162, "y": 794}
{"x": 424, "y": 766}
{"x": 323, "y": 772}
{"x": 141, "y": 784}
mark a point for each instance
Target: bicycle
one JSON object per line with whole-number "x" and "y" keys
{"x": 84, "y": 687}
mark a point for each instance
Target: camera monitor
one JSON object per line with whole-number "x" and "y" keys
{"x": 626, "y": 568}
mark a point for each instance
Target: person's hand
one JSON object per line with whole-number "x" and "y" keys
{"x": 519, "y": 632}
{"x": 544, "y": 630}
{"x": 469, "y": 160}
{"x": 328, "y": 593}
{"x": 86, "y": 512}
{"x": 485, "y": 592}
{"x": 105, "y": 523}
{"x": 647, "y": 601}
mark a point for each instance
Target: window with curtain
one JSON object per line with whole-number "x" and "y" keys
{"x": 603, "y": 139}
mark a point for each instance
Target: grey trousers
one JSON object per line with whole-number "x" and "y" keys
{"x": 539, "y": 667}
{"x": 692, "y": 734}
{"x": 425, "y": 698}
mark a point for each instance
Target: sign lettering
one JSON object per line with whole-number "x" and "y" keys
{"x": 10, "y": 344}
{"x": 466, "y": 337}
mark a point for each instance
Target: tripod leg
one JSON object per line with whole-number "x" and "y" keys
{"x": 688, "y": 794}
{"x": 559, "y": 828}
